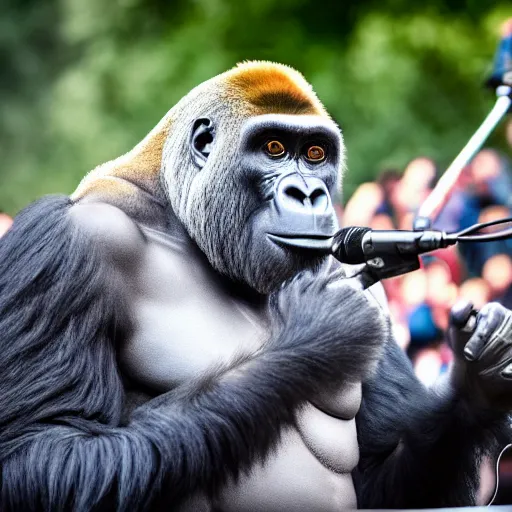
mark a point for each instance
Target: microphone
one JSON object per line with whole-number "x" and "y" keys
{"x": 387, "y": 253}
{"x": 355, "y": 245}
{"x": 390, "y": 253}
{"x": 502, "y": 69}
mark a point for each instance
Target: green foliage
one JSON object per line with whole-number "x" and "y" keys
{"x": 83, "y": 81}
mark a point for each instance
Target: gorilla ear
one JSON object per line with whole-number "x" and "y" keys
{"x": 201, "y": 141}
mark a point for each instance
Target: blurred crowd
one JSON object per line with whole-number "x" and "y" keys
{"x": 420, "y": 301}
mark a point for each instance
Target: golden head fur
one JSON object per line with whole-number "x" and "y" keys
{"x": 249, "y": 89}
{"x": 268, "y": 88}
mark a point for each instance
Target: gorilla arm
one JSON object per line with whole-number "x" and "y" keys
{"x": 63, "y": 308}
{"x": 419, "y": 449}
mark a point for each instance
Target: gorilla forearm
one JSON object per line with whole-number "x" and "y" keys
{"x": 419, "y": 449}
{"x": 180, "y": 443}
{"x": 61, "y": 445}
{"x": 185, "y": 441}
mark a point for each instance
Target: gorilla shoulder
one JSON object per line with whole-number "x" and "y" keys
{"x": 113, "y": 230}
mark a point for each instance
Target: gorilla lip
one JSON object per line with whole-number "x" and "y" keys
{"x": 303, "y": 241}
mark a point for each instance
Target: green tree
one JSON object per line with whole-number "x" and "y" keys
{"x": 84, "y": 81}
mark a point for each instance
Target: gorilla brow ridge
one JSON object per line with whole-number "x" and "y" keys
{"x": 283, "y": 102}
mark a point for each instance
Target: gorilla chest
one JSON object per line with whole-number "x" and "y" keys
{"x": 186, "y": 325}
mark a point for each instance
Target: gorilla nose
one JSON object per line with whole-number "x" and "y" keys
{"x": 303, "y": 195}
{"x": 303, "y": 207}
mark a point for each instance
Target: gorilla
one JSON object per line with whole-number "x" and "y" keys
{"x": 174, "y": 335}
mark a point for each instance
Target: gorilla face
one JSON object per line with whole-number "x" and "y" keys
{"x": 266, "y": 211}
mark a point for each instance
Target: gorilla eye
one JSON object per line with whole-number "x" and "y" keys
{"x": 315, "y": 154}
{"x": 275, "y": 148}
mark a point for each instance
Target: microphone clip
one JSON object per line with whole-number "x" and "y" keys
{"x": 392, "y": 265}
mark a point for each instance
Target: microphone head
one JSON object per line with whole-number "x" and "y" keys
{"x": 347, "y": 245}
{"x": 502, "y": 69}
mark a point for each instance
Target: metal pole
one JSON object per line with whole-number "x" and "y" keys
{"x": 434, "y": 203}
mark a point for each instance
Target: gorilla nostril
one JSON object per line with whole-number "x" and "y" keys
{"x": 295, "y": 193}
{"x": 319, "y": 199}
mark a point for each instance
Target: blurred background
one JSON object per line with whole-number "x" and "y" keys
{"x": 82, "y": 81}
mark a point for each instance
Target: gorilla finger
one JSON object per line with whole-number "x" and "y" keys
{"x": 488, "y": 320}
{"x": 460, "y": 313}
{"x": 495, "y": 313}
{"x": 476, "y": 344}
{"x": 461, "y": 326}
{"x": 505, "y": 329}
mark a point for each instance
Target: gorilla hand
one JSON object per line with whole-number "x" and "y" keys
{"x": 337, "y": 327}
{"x": 482, "y": 370}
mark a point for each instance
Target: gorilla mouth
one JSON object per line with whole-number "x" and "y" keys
{"x": 321, "y": 243}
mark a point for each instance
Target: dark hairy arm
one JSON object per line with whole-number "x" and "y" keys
{"x": 62, "y": 446}
{"x": 420, "y": 448}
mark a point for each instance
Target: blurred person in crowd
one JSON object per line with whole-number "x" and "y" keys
{"x": 429, "y": 294}
{"x": 417, "y": 181}
{"x": 406, "y": 221}
{"x": 486, "y": 195}
{"x": 413, "y": 289}
{"x": 485, "y": 182}
{"x": 429, "y": 310}
{"x": 441, "y": 291}
{"x": 497, "y": 271}
{"x": 428, "y": 365}
{"x": 382, "y": 221}
{"x": 429, "y": 351}
{"x": 423, "y": 329}
{"x": 388, "y": 180}
{"x": 491, "y": 179}
{"x": 5, "y": 223}
{"x": 451, "y": 257}
{"x": 404, "y": 293}
{"x": 432, "y": 361}
{"x": 363, "y": 205}
{"x": 415, "y": 312}
{"x": 397, "y": 311}
{"x": 475, "y": 290}
{"x": 476, "y": 254}
{"x": 412, "y": 189}
{"x": 461, "y": 209}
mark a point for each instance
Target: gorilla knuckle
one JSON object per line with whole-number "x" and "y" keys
{"x": 493, "y": 307}
{"x": 494, "y": 316}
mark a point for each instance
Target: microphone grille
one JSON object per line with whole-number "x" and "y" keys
{"x": 347, "y": 245}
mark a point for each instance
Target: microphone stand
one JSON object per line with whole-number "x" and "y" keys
{"x": 434, "y": 203}
{"x": 402, "y": 262}
{"x": 501, "y": 81}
